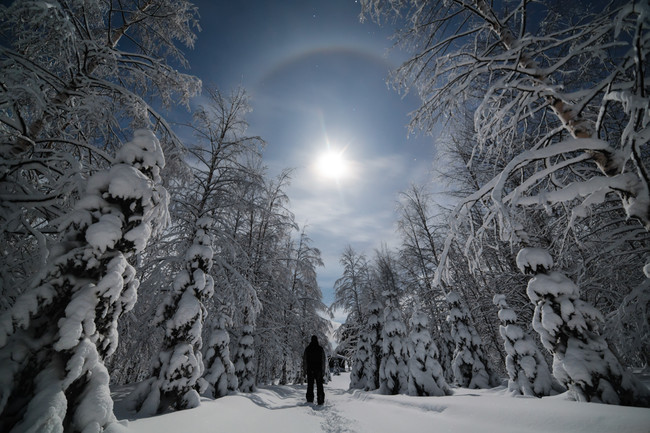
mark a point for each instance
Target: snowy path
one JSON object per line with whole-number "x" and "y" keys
{"x": 283, "y": 409}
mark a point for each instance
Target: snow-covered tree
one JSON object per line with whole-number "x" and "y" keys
{"x": 425, "y": 373}
{"x": 219, "y": 378}
{"x": 568, "y": 328}
{"x": 393, "y": 374}
{"x": 393, "y": 371}
{"x": 527, "y": 369}
{"x": 629, "y": 328}
{"x": 72, "y": 90}
{"x": 559, "y": 118}
{"x": 216, "y": 158}
{"x": 67, "y": 60}
{"x": 284, "y": 295}
{"x": 420, "y": 230}
{"x": 361, "y": 361}
{"x": 303, "y": 304}
{"x": 373, "y": 334}
{"x": 244, "y": 358}
{"x": 174, "y": 382}
{"x": 420, "y": 249}
{"x": 470, "y": 366}
{"x": 557, "y": 68}
{"x": 54, "y": 339}
{"x": 350, "y": 290}
{"x": 352, "y": 293}
{"x": 446, "y": 346}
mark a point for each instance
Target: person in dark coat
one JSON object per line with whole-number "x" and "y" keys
{"x": 314, "y": 366}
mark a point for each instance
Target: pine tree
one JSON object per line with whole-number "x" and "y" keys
{"x": 568, "y": 328}
{"x": 219, "y": 377}
{"x": 425, "y": 373}
{"x": 360, "y": 362}
{"x": 446, "y": 346}
{"x": 469, "y": 365}
{"x": 244, "y": 365}
{"x": 373, "y": 335}
{"x": 54, "y": 340}
{"x": 174, "y": 381}
{"x": 363, "y": 360}
{"x": 393, "y": 372}
{"x": 527, "y": 368}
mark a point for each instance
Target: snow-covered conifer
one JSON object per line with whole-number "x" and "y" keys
{"x": 425, "y": 374}
{"x": 55, "y": 338}
{"x": 469, "y": 365}
{"x": 360, "y": 362}
{"x": 568, "y": 328}
{"x": 244, "y": 365}
{"x": 393, "y": 371}
{"x": 219, "y": 377}
{"x": 528, "y": 371}
{"x": 373, "y": 334}
{"x": 173, "y": 384}
{"x": 446, "y": 346}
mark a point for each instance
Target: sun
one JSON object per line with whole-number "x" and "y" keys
{"x": 332, "y": 165}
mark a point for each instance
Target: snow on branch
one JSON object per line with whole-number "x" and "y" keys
{"x": 64, "y": 327}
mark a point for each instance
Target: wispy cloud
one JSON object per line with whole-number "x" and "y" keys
{"x": 359, "y": 211}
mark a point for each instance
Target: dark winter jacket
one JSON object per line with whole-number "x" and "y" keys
{"x": 314, "y": 358}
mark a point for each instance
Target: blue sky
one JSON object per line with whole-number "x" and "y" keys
{"x": 317, "y": 78}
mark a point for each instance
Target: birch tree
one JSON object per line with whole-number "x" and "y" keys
{"x": 352, "y": 293}
{"x": 530, "y": 75}
{"x": 420, "y": 250}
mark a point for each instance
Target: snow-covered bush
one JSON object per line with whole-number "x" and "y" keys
{"x": 219, "y": 377}
{"x": 54, "y": 340}
{"x": 470, "y": 366}
{"x": 173, "y": 384}
{"x": 528, "y": 371}
{"x": 393, "y": 371}
{"x": 425, "y": 374}
{"x": 568, "y": 328}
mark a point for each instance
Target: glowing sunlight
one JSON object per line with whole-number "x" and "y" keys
{"x": 332, "y": 165}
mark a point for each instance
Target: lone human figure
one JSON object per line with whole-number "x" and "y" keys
{"x": 314, "y": 366}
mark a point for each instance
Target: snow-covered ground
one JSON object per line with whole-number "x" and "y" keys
{"x": 283, "y": 409}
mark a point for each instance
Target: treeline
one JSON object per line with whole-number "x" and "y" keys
{"x": 114, "y": 226}
{"x": 543, "y": 235}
